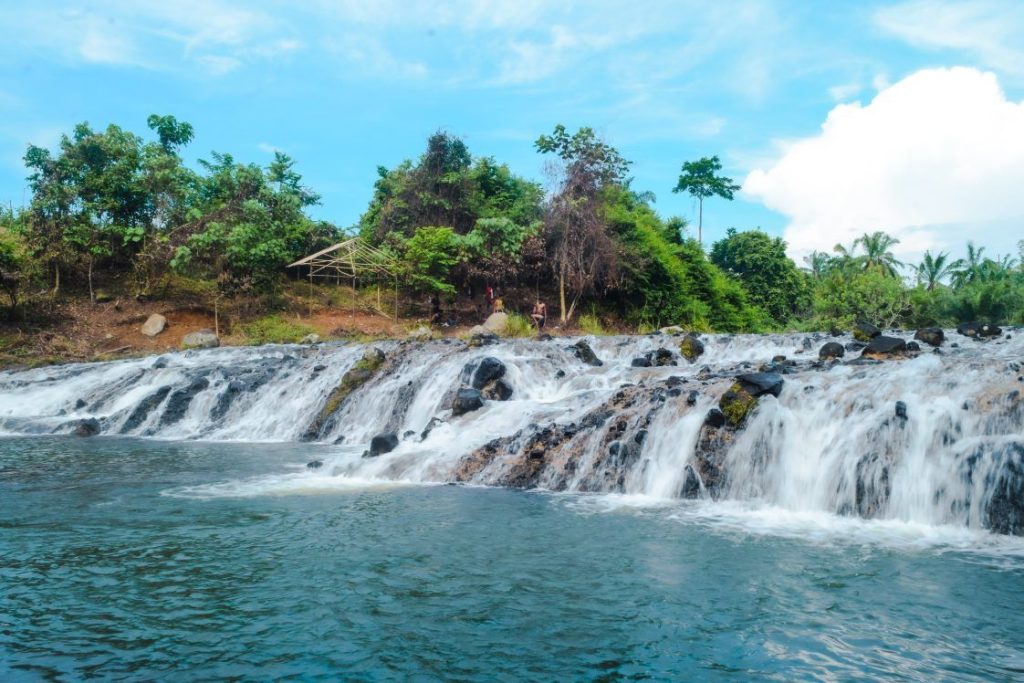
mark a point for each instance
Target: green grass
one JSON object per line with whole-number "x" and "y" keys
{"x": 591, "y": 324}
{"x": 518, "y": 326}
{"x": 273, "y": 329}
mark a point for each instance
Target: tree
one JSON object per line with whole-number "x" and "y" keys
{"x": 877, "y": 254}
{"x": 818, "y": 264}
{"x": 759, "y": 262}
{"x": 584, "y": 254}
{"x": 970, "y": 267}
{"x": 699, "y": 180}
{"x": 934, "y": 269}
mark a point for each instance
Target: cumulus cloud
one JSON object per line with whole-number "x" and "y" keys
{"x": 934, "y": 159}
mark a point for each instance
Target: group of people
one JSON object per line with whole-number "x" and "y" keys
{"x": 492, "y": 304}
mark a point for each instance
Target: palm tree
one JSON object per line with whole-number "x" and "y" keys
{"x": 818, "y": 263}
{"x": 970, "y": 268}
{"x": 876, "y": 252}
{"x": 932, "y": 269}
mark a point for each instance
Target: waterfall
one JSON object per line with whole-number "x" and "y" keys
{"x": 832, "y": 441}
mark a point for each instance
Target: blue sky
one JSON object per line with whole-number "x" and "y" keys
{"x": 837, "y": 117}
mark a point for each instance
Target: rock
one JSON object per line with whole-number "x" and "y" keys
{"x": 807, "y": 343}
{"x": 977, "y": 329}
{"x": 489, "y": 370}
{"x": 691, "y": 398}
{"x": 434, "y": 422}
{"x": 466, "y": 401}
{"x": 582, "y": 350}
{"x": 705, "y": 373}
{"x": 355, "y": 377}
{"x": 933, "y": 336}
{"x": 671, "y": 329}
{"x": 544, "y": 336}
{"x": 901, "y": 410}
{"x": 315, "y": 464}
{"x": 865, "y": 332}
{"x": 201, "y": 339}
{"x": 882, "y": 348}
{"x": 913, "y": 346}
{"x": 154, "y": 325}
{"x": 160, "y": 362}
{"x": 496, "y": 323}
{"x": 310, "y": 339}
{"x": 715, "y": 418}
{"x": 421, "y": 333}
{"x": 87, "y": 427}
{"x": 181, "y": 399}
{"x": 498, "y": 390}
{"x": 691, "y": 484}
{"x": 661, "y": 357}
{"x": 641, "y": 362}
{"x": 855, "y": 346}
{"x": 691, "y": 347}
{"x": 640, "y": 437}
{"x": 831, "y": 350}
{"x": 382, "y": 443}
{"x": 481, "y": 336}
{"x": 760, "y": 383}
{"x": 373, "y": 357}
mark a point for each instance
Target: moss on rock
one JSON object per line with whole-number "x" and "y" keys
{"x": 357, "y": 376}
{"x": 736, "y": 404}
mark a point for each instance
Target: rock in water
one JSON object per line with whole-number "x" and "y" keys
{"x": 382, "y": 443}
{"x": 691, "y": 347}
{"x": 154, "y": 325}
{"x": 496, "y": 323}
{"x": 466, "y": 401}
{"x": 760, "y": 383}
{"x": 865, "y": 332}
{"x": 310, "y": 339}
{"x": 933, "y": 336}
{"x": 489, "y": 369}
{"x": 88, "y": 427}
{"x": 976, "y": 329}
{"x": 481, "y": 336}
{"x": 201, "y": 339}
{"x": 831, "y": 350}
{"x": 741, "y": 398}
{"x": 883, "y": 348}
{"x": 901, "y": 410}
{"x": 421, "y": 333}
{"x": 315, "y": 464}
{"x": 498, "y": 390}
{"x": 641, "y": 362}
{"x": 585, "y": 353}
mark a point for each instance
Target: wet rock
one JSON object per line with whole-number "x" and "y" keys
{"x": 381, "y": 444}
{"x": 855, "y": 346}
{"x": 466, "y": 401}
{"x": 641, "y": 362}
{"x": 488, "y": 370}
{"x": 901, "y": 410}
{"x": 544, "y": 336}
{"x": 865, "y": 332}
{"x": 154, "y": 325}
{"x": 640, "y": 437}
{"x": 807, "y": 343}
{"x": 79, "y": 404}
{"x": 315, "y": 464}
{"x": 496, "y": 323}
{"x": 691, "y": 398}
{"x": 310, "y": 339}
{"x": 760, "y": 383}
{"x": 705, "y": 373}
{"x": 560, "y": 374}
{"x": 160, "y": 362}
{"x": 201, "y": 339}
{"x": 830, "y": 350}
{"x": 883, "y": 348}
{"x": 977, "y": 330}
{"x": 933, "y": 336}
{"x": 691, "y": 347}
{"x": 434, "y": 422}
{"x": 360, "y": 373}
{"x": 181, "y": 399}
{"x": 498, "y": 390}
{"x": 662, "y": 358}
{"x": 715, "y": 418}
{"x": 913, "y": 347}
{"x": 582, "y": 350}
{"x": 691, "y": 484}
{"x": 481, "y": 336}
{"x": 143, "y": 408}
{"x": 87, "y": 427}
{"x": 421, "y": 334}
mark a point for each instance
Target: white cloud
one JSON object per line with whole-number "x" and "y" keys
{"x": 991, "y": 31}
{"x": 937, "y": 151}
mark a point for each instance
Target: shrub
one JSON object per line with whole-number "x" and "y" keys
{"x": 274, "y": 329}
{"x": 591, "y": 324}
{"x": 518, "y": 326}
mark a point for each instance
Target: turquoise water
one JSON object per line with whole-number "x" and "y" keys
{"x": 148, "y": 560}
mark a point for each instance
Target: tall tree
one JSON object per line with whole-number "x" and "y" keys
{"x": 877, "y": 254}
{"x": 934, "y": 269}
{"x": 585, "y": 255}
{"x": 699, "y": 178}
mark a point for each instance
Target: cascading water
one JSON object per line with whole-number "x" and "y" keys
{"x": 833, "y": 441}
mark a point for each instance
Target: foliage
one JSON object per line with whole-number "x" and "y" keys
{"x": 590, "y": 323}
{"x": 518, "y": 326}
{"x": 770, "y": 278}
{"x": 842, "y": 299}
{"x": 274, "y": 329}
{"x": 429, "y": 256}
{"x": 700, "y": 180}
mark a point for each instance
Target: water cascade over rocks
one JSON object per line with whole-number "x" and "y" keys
{"x": 913, "y": 433}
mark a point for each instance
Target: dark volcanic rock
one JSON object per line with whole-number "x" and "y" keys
{"x": 489, "y": 369}
{"x": 691, "y": 347}
{"x": 662, "y": 357}
{"x": 760, "y": 383}
{"x": 831, "y": 350}
{"x": 882, "y": 348}
{"x": 691, "y": 484}
{"x": 977, "y": 329}
{"x": 913, "y": 346}
{"x": 87, "y": 427}
{"x": 382, "y": 443}
{"x": 933, "y": 336}
{"x": 466, "y": 401}
{"x": 144, "y": 408}
{"x": 181, "y": 399}
{"x": 315, "y": 464}
{"x": 641, "y": 362}
{"x": 715, "y": 418}
{"x": 691, "y": 398}
{"x": 854, "y": 346}
{"x": 499, "y": 390}
{"x": 582, "y": 350}
{"x": 865, "y": 332}
{"x": 901, "y": 410}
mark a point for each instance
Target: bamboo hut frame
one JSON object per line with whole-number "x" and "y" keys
{"x": 351, "y": 260}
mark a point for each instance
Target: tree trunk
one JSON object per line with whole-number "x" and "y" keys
{"x": 92, "y": 295}
{"x": 700, "y": 222}
{"x": 561, "y": 296}
{"x": 572, "y": 306}
{"x": 56, "y": 280}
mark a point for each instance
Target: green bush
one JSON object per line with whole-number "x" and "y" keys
{"x": 274, "y": 329}
{"x": 518, "y": 326}
{"x": 591, "y": 324}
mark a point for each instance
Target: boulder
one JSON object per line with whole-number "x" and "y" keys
{"x": 977, "y": 329}
{"x": 201, "y": 339}
{"x": 498, "y": 390}
{"x": 582, "y": 350}
{"x": 760, "y": 383}
{"x": 381, "y": 444}
{"x": 154, "y": 325}
{"x": 466, "y": 401}
{"x": 913, "y": 346}
{"x": 691, "y": 484}
{"x": 489, "y": 370}
{"x": 421, "y": 333}
{"x": 662, "y": 357}
{"x": 691, "y": 398}
{"x": 901, "y": 410}
{"x": 434, "y": 422}
{"x": 715, "y": 418}
{"x": 743, "y": 395}
{"x": 315, "y": 464}
{"x": 310, "y": 339}
{"x": 481, "y": 336}
{"x": 87, "y": 427}
{"x": 865, "y": 332}
{"x": 641, "y": 362}
{"x": 882, "y": 348}
{"x": 933, "y": 336}
{"x": 831, "y": 350}
{"x": 691, "y": 347}
{"x": 496, "y": 323}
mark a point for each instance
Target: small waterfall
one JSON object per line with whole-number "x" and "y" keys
{"x": 833, "y": 441}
